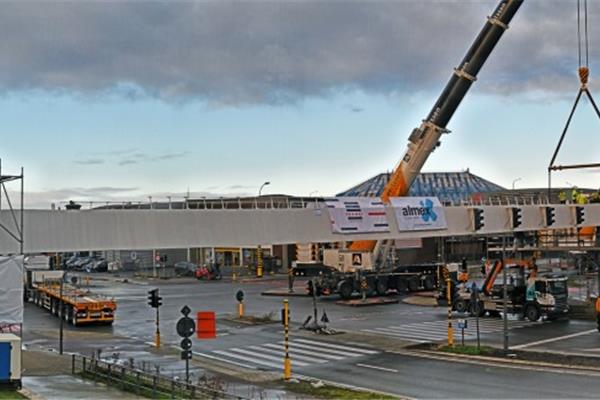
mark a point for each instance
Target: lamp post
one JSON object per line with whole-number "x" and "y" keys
{"x": 515, "y": 181}
{"x": 259, "y": 254}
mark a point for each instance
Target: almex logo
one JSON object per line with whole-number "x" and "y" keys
{"x": 425, "y": 211}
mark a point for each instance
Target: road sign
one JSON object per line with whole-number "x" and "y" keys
{"x": 239, "y": 296}
{"x": 186, "y": 311}
{"x": 462, "y": 323}
{"x": 186, "y": 344}
{"x": 207, "y": 325}
{"x": 324, "y": 318}
{"x": 185, "y": 327}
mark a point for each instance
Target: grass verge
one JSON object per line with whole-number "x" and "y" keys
{"x": 6, "y": 394}
{"x": 469, "y": 350}
{"x": 332, "y": 392}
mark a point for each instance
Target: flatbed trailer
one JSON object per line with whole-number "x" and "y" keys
{"x": 80, "y": 307}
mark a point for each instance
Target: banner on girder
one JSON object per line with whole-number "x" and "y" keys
{"x": 418, "y": 213}
{"x": 357, "y": 215}
{"x": 11, "y": 290}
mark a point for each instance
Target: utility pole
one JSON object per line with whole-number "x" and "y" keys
{"x": 62, "y": 320}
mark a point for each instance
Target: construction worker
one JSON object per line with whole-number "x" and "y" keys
{"x": 562, "y": 197}
{"x": 574, "y": 195}
{"x": 595, "y": 197}
{"x": 581, "y": 198}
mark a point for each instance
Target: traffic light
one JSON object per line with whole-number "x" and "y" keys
{"x": 550, "y": 216}
{"x": 579, "y": 215}
{"x": 314, "y": 252}
{"x": 154, "y": 300}
{"x": 478, "y": 222}
{"x": 516, "y": 217}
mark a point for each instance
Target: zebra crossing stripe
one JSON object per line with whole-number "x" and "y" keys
{"x": 281, "y": 353}
{"x": 304, "y": 351}
{"x": 337, "y": 346}
{"x": 333, "y": 354}
{"x": 250, "y": 359}
{"x": 265, "y": 356}
{"x": 341, "y": 353}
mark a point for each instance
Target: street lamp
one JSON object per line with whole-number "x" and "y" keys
{"x": 515, "y": 181}
{"x": 262, "y": 186}
{"x": 259, "y": 253}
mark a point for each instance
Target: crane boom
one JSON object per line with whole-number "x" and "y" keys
{"x": 424, "y": 139}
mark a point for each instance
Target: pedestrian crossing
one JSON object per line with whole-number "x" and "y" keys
{"x": 303, "y": 353}
{"x": 433, "y": 331}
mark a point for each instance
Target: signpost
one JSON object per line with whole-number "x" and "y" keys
{"x": 476, "y": 305}
{"x": 186, "y": 328}
{"x": 239, "y": 296}
{"x": 462, "y": 325}
{"x": 155, "y": 301}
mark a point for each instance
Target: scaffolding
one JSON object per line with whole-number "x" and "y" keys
{"x": 13, "y": 225}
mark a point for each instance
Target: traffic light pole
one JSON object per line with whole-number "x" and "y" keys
{"x": 157, "y": 336}
{"x": 287, "y": 364}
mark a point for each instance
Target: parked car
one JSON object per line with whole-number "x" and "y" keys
{"x": 185, "y": 268}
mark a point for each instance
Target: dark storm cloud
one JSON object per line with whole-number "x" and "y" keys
{"x": 249, "y": 52}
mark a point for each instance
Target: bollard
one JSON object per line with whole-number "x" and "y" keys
{"x": 240, "y": 309}
{"x": 259, "y": 262}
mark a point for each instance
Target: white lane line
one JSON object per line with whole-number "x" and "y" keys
{"x": 555, "y": 339}
{"x": 377, "y": 367}
{"x": 224, "y": 360}
{"x": 281, "y": 353}
{"x": 336, "y": 346}
{"x": 325, "y": 351}
{"x": 252, "y": 360}
{"x": 303, "y": 351}
{"x": 265, "y": 356}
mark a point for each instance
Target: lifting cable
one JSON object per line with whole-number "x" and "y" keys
{"x": 584, "y": 74}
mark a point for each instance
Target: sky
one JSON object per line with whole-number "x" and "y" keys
{"x": 114, "y": 101}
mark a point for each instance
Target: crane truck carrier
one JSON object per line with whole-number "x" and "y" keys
{"x": 528, "y": 292}
{"x": 79, "y": 307}
{"x": 369, "y": 258}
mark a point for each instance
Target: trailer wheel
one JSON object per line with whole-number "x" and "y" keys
{"x": 413, "y": 284}
{"x": 461, "y": 306}
{"x": 429, "y": 282}
{"x": 401, "y": 285}
{"x": 345, "y": 289}
{"x": 381, "y": 286}
{"x": 532, "y": 312}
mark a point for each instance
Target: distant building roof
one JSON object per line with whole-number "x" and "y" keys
{"x": 449, "y": 187}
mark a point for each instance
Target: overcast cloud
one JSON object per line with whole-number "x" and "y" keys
{"x": 277, "y": 52}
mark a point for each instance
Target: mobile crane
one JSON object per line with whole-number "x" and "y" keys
{"x": 374, "y": 272}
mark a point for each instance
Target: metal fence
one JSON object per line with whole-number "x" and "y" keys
{"x": 144, "y": 383}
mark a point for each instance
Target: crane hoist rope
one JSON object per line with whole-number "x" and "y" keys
{"x": 583, "y": 46}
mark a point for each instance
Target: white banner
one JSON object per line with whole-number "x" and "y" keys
{"x": 418, "y": 213}
{"x": 11, "y": 290}
{"x": 357, "y": 215}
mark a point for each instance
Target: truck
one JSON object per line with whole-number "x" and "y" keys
{"x": 374, "y": 264}
{"x": 48, "y": 290}
{"x": 528, "y": 292}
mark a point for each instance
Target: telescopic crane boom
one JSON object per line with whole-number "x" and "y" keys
{"x": 424, "y": 139}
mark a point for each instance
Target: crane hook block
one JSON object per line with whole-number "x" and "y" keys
{"x": 584, "y": 74}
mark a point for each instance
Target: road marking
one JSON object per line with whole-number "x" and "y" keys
{"x": 265, "y": 356}
{"x": 377, "y": 367}
{"x": 335, "y": 346}
{"x": 339, "y": 353}
{"x": 303, "y": 351}
{"x": 252, "y": 360}
{"x": 224, "y": 360}
{"x": 555, "y": 339}
{"x": 281, "y": 353}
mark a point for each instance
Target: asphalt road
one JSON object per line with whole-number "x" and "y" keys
{"x": 354, "y": 358}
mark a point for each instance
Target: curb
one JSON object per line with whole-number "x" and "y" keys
{"x": 499, "y": 360}
{"x": 29, "y": 394}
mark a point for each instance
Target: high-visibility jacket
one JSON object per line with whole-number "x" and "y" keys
{"x": 562, "y": 196}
